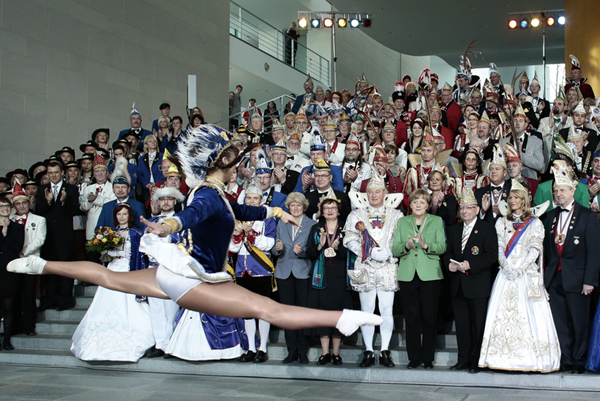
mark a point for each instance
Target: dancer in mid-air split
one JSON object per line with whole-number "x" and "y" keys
{"x": 193, "y": 271}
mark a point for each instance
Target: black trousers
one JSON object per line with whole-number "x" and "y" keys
{"x": 294, "y": 291}
{"x": 57, "y": 291}
{"x": 469, "y": 315}
{"x": 420, "y": 300}
{"x": 27, "y": 311}
{"x": 571, "y": 312}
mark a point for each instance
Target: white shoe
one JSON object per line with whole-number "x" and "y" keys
{"x": 30, "y": 265}
{"x": 351, "y": 320}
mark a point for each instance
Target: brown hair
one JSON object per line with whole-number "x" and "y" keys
{"x": 420, "y": 193}
{"x": 120, "y": 207}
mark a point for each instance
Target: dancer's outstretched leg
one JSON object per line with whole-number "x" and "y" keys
{"x": 141, "y": 282}
{"x": 229, "y": 299}
{"x": 222, "y": 299}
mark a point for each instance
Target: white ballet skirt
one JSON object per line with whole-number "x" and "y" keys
{"x": 189, "y": 341}
{"x": 116, "y": 327}
{"x": 519, "y": 329}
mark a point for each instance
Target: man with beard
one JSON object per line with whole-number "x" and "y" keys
{"x": 296, "y": 161}
{"x": 353, "y": 168}
{"x": 550, "y": 126}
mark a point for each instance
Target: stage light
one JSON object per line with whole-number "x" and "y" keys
{"x": 354, "y": 23}
{"x": 524, "y": 23}
{"x": 328, "y": 22}
{"x": 561, "y": 20}
{"x": 550, "y": 21}
{"x": 512, "y": 24}
{"x": 367, "y": 23}
{"x": 303, "y": 22}
{"x": 315, "y": 23}
{"x": 342, "y": 22}
{"x": 535, "y": 22}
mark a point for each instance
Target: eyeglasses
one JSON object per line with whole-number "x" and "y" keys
{"x": 330, "y": 208}
{"x": 5, "y": 207}
{"x": 322, "y": 175}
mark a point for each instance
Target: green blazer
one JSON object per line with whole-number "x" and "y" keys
{"x": 427, "y": 263}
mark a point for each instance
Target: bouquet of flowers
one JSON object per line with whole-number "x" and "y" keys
{"x": 105, "y": 239}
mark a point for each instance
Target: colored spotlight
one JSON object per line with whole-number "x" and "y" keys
{"x": 303, "y": 22}
{"x": 561, "y": 20}
{"x": 512, "y": 24}
{"x": 367, "y": 23}
{"x": 550, "y": 21}
{"x": 342, "y": 22}
{"x": 315, "y": 23}
{"x": 328, "y": 22}
{"x": 524, "y": 23}
{"x": 535, "y": 22}
{"x": 354, "y": 23}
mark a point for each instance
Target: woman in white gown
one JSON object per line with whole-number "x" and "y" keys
{"x": 519, "y": 330}
{"x": 117, "y": 325}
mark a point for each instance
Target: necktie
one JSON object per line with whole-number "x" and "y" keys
{"x": 465, "y": 238}
{"x": 55, "y": 192}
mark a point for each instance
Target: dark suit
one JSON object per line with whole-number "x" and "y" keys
{"x": 592, "y": 137}
{"x": 299, "y": 102}
{"x": 142, "y": 135}
{"x": 479, "y": 192}
{"x": 57, "y": 291}
{"x": 471, "y": 291}
{"x": 106, "y": 215}
{"x": 313, "y": 198}
{"x": 291, "y": 179}
{"x": 579, "y": 265}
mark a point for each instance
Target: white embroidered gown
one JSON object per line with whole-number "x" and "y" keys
{"x": 116, "y": 327}
{"x": 519, "y": 330}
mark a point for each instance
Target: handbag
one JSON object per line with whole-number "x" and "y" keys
{"x": 534, "y": 287}
{"x": 358, "y": 279}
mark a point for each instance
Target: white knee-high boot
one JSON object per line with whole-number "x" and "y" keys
{"x": 263, "y": 331}
{"x": 250, "y": 326}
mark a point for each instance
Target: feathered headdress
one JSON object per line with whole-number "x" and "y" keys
{"x": 120, "y": 175}
{"x": 199, "y": 150}
{"x": 263, "y": 166}
{"x": 168, "y": 192}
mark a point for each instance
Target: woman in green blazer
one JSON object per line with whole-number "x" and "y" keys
{"x": 419, "y": 243}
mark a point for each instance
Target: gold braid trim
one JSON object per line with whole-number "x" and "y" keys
{"x": 174, "y": 224}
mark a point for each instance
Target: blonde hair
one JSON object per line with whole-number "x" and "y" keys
{"x": 148, "y": 139}
{"x": 526, "y": 205}
{"x": 297, "y": 197}
{"x": 420, "y": 193}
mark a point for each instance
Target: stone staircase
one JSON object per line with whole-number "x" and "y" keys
{"x": 51, "y": 348}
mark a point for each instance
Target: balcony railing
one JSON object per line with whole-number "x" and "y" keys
{"x": 265, "y": 37}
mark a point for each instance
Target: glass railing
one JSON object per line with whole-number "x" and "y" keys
{"x": 265, "y": 37}
{"x": 280, "y": 103}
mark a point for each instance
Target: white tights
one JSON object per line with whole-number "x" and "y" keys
{"x": 386, "y": 306}
{"x": 263, "y": 331}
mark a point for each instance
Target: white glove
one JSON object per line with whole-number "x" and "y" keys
{"x": 380, "y": 254}
{"x": 512, "y": 273}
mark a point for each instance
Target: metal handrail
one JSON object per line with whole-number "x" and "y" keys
{"x": 258, "y": 33}
{"x": 283, "y": 99}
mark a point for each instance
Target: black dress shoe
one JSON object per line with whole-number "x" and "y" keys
{"x": 428, "y": 365}
{"x": 385, "y": 359}
{"x": 168, "y": 356}
{"x": 578, "y": 369}
{"x": 303, "y": 359}
{"x": 66, "y": 306}
{"x": 8, "y": 346}
{"x": 475, "y": 369}
{"x": 248, "y": 356}
{"x": 292, "y": 357}
{"x": 413, "y": 364}
{"x": 156, "y": 353}
{"x": 31, "y": 333}
{"x": 566, "y": 367}
{"x": 368, "y": 359}
{"x": 44, "y": 306}
{"x": 261, "y": 357}
{"x": 324, "y": 359}
{"x": 336, "y": 359}
{"x": 459, "y": 366}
